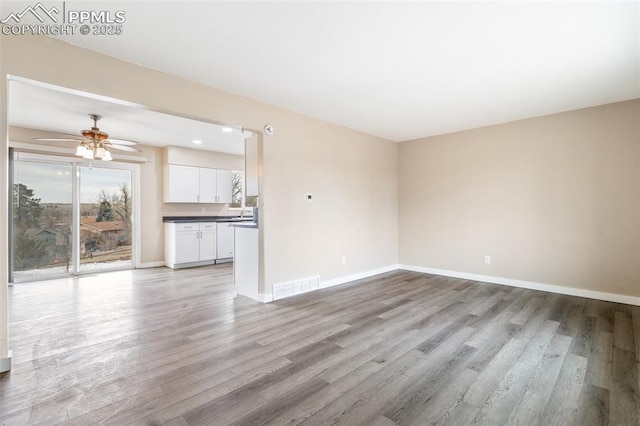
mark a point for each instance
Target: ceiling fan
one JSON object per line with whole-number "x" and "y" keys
{"x": 94, "y": 143}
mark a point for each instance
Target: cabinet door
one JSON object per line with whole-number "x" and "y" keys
{"x": 182, "y": 184}
{"x": 224, "y": 186}
{"x": 225, "y": 240}
{"x": 208, "y": 245}
{"x": 187, "y": 246}
{"x": 208, "y": 185}
{"x": 251, "y": 166}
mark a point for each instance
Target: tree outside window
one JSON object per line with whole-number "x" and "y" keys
{"x": 238, "y": 200}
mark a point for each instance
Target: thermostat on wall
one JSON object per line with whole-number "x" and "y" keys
{"x": 268, "y": 129}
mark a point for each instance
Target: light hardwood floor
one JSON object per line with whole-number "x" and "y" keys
{"x": 159, "y": 346}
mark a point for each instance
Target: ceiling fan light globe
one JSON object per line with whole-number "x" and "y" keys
{"x": 100, "y": 152}
{"x": 107, "y": 156}
{"x": 81, "y": 150}
{"x": 88, "y": 155}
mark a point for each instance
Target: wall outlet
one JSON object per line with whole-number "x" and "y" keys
{"x": 344, "y": 260}
{"x": 487, "y": 260}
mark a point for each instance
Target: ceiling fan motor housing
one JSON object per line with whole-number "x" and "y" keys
{"x": 95, "y": 132}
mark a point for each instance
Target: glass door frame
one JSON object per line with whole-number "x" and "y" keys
{"x": 76, "y": 163}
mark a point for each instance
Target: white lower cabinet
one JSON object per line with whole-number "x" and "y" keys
{"x": 208, "y": 238}
{"x": 190, "y": 244}
{"x": 186, "y": 247}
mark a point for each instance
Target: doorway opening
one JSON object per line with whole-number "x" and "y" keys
{"x": 81, "y": 230}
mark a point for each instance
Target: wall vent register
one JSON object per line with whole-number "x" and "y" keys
{"x": 292, "y": 288}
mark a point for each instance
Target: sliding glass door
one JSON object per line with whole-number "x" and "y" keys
{"x": 69, "y": 217}
{"x": 42, "y": 218}
{"x": 105, "y": 218}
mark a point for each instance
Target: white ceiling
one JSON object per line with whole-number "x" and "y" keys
{"x": 398, "y": 70}
{"x": 60, "y": 111}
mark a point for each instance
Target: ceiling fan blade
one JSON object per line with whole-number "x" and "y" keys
{"x": 123, "y": 148}
{"x": 121, "y": 142}
{"x": 57, "y": 139}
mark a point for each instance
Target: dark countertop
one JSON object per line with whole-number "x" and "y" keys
{"x": 189, "y": 219}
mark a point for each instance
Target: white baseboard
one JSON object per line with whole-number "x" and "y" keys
{"x": 551, "y": 288}
{"x": 358, "y": 276}
{"x": 265, "y": 298}
{"x": 5, "y": 363}
{"x": 150, "y": 265}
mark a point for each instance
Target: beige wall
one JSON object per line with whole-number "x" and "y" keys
{"x": 552, "y": 200}
{"x": 151, "y": 227}
{"x": 353, "y": 180}
{"x": 352, "y": 176}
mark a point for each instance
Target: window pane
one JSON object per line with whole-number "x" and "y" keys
{"x": 236, "y": 190}
{"x": 105, "y": 218}
{"x": 251, "y": 201}
{"x": 42, "y": 217}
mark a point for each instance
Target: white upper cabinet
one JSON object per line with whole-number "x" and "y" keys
{"x": 189, "y": 184}
{"x": 181, "y": 184}
{"x": 208, "y": 185}
{"x": 251, "y": 166}
{"x": 223, "y": 186}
